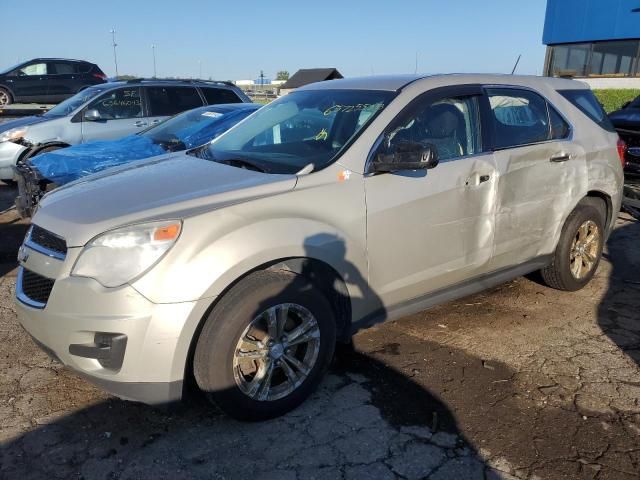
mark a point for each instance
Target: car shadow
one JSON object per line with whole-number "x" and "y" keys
{"x": 12, "y": 230}
{"x": 618, "y": 311}
{"x": 350, "y": 422}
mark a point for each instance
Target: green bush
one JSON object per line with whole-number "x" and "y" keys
{"x": 613, "y": 99}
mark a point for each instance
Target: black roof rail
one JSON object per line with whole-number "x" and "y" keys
{"x": 180, "y": 80}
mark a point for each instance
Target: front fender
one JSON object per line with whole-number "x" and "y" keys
{"x": 203, "y": 266}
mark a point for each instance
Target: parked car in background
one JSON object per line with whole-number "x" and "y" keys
{"x": 342, "y": 204}
{"x": 107, "y": 112}
{"x": 627, "y": 123}
{"x": 47, "y": 80}
{"x": 191, "y": 129}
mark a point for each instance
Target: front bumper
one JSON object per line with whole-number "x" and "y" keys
{"x": 80, "y": 312}
{"x": 9, "y": 154}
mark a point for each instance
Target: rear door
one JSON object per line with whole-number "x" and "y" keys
{"x": 63, "y": 79}
{"x": 537, "y": 164}
{"x": 427, "y": 230}
{"x": 121, "y": 114}
{"x": 165, "y": 101}
{"x": 30, "y": 82}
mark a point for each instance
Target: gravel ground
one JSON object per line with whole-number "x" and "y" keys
{"x": 518, "y": 382}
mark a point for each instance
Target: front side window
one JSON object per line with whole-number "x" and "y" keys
{"x": 302, "y": 128}
{"x": 118, "y": 104}
{"x": 220, "y": 95}
{"x": 519, "y": 117}
{"x": 33, "y": 69}
{"x": 165, "y": 101}
{"x": 451, "y": 125}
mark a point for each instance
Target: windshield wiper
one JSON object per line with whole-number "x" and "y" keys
{"x": 243, "y": 163}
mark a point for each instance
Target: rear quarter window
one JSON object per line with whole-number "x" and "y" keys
{"x": 587, "y": 103}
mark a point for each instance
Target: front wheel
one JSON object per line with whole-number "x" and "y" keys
{"x": 578, "y": 253}
{"x": 5, "y": 97}
{"x": 265, "y": 346}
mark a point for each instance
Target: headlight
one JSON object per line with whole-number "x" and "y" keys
{"x": 117, "y": 257}
{"x": 13, "y": 134}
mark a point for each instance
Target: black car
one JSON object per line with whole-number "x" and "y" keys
{"x": 47, "y": 80}
{"x": 627, "y": 123}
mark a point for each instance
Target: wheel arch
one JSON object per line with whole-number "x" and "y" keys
{"x": 318, "y": 271}
{"x": 38, "y": 148}
{"x": 9, "y": 91}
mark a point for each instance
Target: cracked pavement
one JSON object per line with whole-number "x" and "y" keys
{"x": 520, "y": 382}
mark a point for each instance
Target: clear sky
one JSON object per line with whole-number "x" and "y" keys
{"x": 232, "y": 40}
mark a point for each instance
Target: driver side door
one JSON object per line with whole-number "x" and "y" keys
{"x": 430, "y": 229}
{"x": 121, "y": 114}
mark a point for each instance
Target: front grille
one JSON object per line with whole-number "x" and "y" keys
{"x": 48, "y": 240}
{"x": 36, "y": 287}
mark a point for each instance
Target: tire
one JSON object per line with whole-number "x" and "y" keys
{"x": 572, "y": 269}
{"x": 221, "y": 372}
{"x": 5, "y": 97}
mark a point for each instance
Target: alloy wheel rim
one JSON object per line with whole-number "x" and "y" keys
{"x": 276, "y": 352}
{"x": 4, "y": 98}
{"x": 584, "y": 250}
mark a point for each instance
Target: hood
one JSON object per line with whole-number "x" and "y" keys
{"x": 21, "y": 122}
{"x": 68, "y": 164}
{"x": 168, "y": 187}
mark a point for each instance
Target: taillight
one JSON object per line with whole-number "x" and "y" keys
{"x": 622, "y": 151}
{"x": 101, "y": 76}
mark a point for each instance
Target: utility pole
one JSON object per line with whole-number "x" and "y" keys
{"x": 262, "y": 81}
{"x": 115, "y": 56}
{"x": 153, "y": 49}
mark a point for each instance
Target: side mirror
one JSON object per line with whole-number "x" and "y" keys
{"x": 407, "y": 156}
{"x": 92, "y": 115}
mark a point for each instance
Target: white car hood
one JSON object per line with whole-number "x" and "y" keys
{"x": 168, "y": 187}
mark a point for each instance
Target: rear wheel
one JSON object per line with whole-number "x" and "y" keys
{"x": 5, "y": 97}
{"x": 579, "y": 250}
{"x": 265, "y": 346}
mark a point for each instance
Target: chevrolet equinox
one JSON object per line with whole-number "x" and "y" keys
{"x": 340, "y": 205}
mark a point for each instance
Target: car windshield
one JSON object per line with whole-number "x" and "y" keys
{"x": 302, "y": 128}
{"x": 196, "y": 127}
{"x": 71, "y": 104}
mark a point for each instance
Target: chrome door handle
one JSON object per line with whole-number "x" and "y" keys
{"x": 140, "y": 123}
{"x": 560, "y": 157}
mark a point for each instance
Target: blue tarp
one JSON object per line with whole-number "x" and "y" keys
{"x": 193, "y": 128}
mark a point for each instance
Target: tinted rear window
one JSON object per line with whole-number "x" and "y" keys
{"x": 588, "y": 104}
{"x": 220, "y": 95}
{"x": 164, "y": 101}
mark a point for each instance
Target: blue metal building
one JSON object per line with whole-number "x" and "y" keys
{"x": 592, "y": 38}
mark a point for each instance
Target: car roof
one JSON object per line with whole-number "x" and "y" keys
{"x": 227, "y": 107}
{"x": 398, "y": 82}
{"x": 175, "y": 81}
{"x": 44, "y": 59}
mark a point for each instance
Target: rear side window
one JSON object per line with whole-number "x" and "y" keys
{"x": 118, "y": 104}
{"x": 165, "y": 101}
{"x": 519, "y": 117}
{"x": 588, "y": 104}
{"x": 62, "y": 68}
{"x": 220, "y": 95}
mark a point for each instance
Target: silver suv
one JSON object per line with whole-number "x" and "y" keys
{"x": 107, "y": 112}
{"x": 343, "y": 204}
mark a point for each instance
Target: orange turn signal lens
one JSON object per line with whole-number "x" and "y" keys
{"x": 168, "y": 232}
